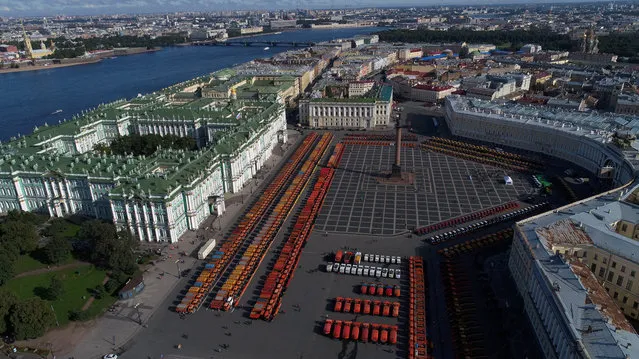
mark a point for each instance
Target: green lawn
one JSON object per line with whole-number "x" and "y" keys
{"x": 76, "y": 290}
{"x": 26, "y": 263}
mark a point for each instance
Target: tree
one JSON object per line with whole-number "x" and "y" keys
{"x": 20, "y": 234}
{"x": 7, "y": 300}
{"x": 6, "y": 269}
{"x": 55, "y": 289}
{"x": 109, "y": 248}
{"x": 57, "y": 250}
{"x": 30, "y": 318}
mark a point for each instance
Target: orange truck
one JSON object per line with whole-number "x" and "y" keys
{"x": 396, "y": 309}
{"x": 347, "y": 305}
{"x": 386, "y": 309}
{"x": 375, "y": 333}
{"x": 339, "y": 302}
{"x": 380, "y": 289}
{"x": 367, "y": 307}
{"x": 396, "y": 291}
{"x": 383, "y": 337}
{"x": 377, "y": 307}
{"x": 393, "y": 335}
{"x": 355, "y": 330}
{"x": 357, "y": 308}
{"x": 338, "y": 256}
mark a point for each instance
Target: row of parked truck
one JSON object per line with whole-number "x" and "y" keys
{"x": 466, "y": 218}
{"x": 239, "y": 250}
{"x": 365, "y": 306}
{"x": 348, "y": 257}
{"x": 482, "y": 224}
{"x": 417, "y": 342}
{"x": 364, "y": 270}
{"x": 348, "y": 330}
{"x": 278, "y": 279}
{"x": 380, "y": 289}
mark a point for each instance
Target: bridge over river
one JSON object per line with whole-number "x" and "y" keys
{"x": 259, "y": 43}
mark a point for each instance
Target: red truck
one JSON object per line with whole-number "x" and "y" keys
{"x": 338, "y": 256}
{"x": 337, "y": 329}
{"x": 389, "y": 291}
{"x": 364, "y": 288}
{"x": 380, "y": 289}
{"x": 365, "y": 330}
{"x": 339, "y": 302}
{"x": 346, "y": 331}
{"x": 396, "y": 291}
{"x": 327, "y": 326}
{"x": 348, "y": 257}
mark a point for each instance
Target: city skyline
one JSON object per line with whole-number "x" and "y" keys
{"x": 109, "y": 7}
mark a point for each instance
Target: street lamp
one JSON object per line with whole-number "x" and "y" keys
{"x": 179, "y": 273}
{"x": 138, "y": 311}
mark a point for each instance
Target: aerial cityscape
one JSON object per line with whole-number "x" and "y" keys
{"x": 319, "y": 180}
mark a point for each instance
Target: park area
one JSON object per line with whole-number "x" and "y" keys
{"x": 79, "y": 282}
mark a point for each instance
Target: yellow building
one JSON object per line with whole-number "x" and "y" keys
{"x": 594, "y": 239}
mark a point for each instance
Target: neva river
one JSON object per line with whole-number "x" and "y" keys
{"x": 29, "y": 99}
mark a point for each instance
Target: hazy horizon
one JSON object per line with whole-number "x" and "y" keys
{"x": 30, "y": 8}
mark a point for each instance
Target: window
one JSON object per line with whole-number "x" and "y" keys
{"x": 604, "y": 260}
{"x": 624, "y": 300}
{"x": 616, "y": 295}
{"x": 593, "y": 267}
{"x": 596, "y": 256}
{"x": 614, "y": 264}
{"x": 635, "y": 305}
{"x": 602, "y": 271}
{"x": 623, "y": 269}
{"x": 610, "y": 276}
{"x": 620, "y": 281}
{"x": 629, "y": 285}
{"x": 624, "y": 227}
{"x": 632, "y": 273}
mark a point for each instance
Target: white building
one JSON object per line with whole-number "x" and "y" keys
{"x": 356, "y": 112}
{"x": 580, "y": 138}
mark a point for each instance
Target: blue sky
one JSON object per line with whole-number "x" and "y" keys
{"x": 93, "y": 7}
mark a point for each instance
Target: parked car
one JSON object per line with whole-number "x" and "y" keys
{"x": 385, "y": 272}
{"x": 329, "y": 267}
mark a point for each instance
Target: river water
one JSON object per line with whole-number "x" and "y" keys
{"x": 29, "y": 99}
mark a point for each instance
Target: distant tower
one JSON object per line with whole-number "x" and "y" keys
{"x": 396, "y": 169}
{"x": 589, "y": 43}
{"x": 27, "y": 42}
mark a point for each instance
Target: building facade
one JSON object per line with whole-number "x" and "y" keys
{"x": 356, "y": 112}
{"x": 580, "y": 138}
{"x": 57, "y": 169}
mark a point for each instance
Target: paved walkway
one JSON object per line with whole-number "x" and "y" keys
{"x": 51, "y": 269}
{"x": 115, "y": 329}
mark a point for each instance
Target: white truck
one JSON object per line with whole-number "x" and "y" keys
{"x": 206, "y": 249}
